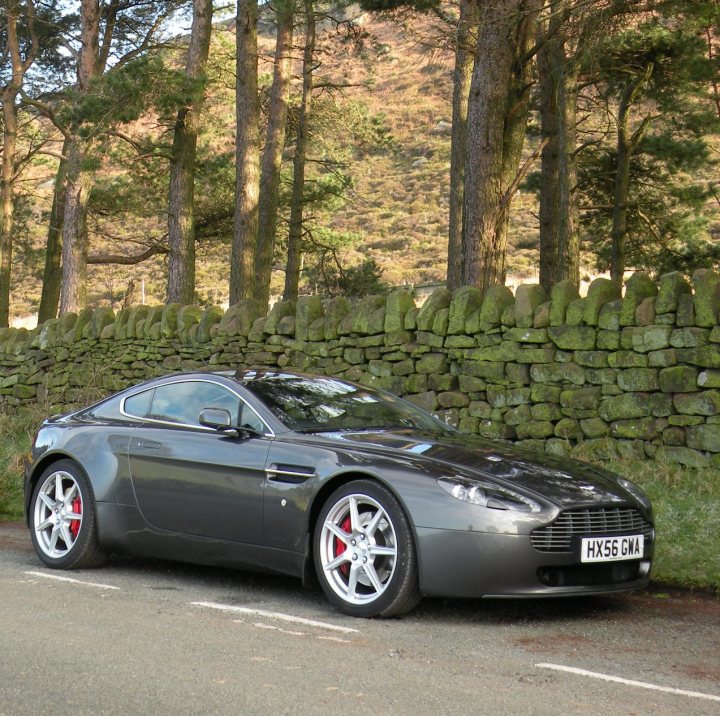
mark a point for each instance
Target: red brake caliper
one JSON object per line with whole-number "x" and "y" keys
{"x": 75, "y": 524}
{"x": 340, "y": 546}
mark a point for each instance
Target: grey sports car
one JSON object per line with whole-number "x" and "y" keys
{"x": 314, "y": 476}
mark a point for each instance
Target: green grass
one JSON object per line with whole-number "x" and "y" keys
{"x": 687, "y": 505}
{"x": 687, "y": 517}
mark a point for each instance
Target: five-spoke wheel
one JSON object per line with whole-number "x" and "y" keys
{"x": 364, "y": 551}
{"x": 63, "y": 518}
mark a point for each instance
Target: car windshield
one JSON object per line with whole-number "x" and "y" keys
{"x": 318, "y": 404}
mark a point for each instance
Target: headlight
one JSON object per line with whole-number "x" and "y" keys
{"x": 636, "y": 492}
{"x": 486, "y": 494}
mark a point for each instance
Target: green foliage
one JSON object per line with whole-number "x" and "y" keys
{"x": 667, "y": 224}
{"x": 663, "y": 70}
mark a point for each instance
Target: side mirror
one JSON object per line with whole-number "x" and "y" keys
{"x": 216, "y": 418}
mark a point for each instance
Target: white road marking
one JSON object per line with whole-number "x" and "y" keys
{"x": 260, "y": 625}
{"x": 628, "y": 682}
{"x": 334, "y": 638}
{"x": 275, "y": 615}
{"x": 45, "y": 575}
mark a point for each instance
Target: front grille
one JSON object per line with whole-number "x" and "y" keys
{"x": 557, "y": 536}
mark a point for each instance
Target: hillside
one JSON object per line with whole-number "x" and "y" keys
{"x": 387, "y": 125}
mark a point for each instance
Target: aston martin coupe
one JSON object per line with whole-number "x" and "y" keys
{"x": 318, "y": 477}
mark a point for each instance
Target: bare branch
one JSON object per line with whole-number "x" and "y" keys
{"x": 127, "y": 260}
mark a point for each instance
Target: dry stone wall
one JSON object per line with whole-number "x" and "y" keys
{"x": 633, "y": 373}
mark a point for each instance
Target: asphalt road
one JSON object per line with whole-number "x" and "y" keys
{"x": 140, "y": 637}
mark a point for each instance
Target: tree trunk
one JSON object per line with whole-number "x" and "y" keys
{"x": 497, "y": 117}
{"x": 626, "y": 144}
{"x": 247, "y": 154}
{"x": 272, "y": 154}
{"x": 292, "y": 273}
{"x": 74, "y": 253}
{"x": 52, "y": 275}
{"x": 181, "y": 203}
{"x": 464, "y": 59}
{"x": 73, "y": 291}
{"x": 19, "y": 67}
{"x": 559, "y": 237}
{"x": 6, "y": 200}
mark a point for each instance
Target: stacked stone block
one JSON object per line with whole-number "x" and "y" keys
{"x": 633, "y": 373}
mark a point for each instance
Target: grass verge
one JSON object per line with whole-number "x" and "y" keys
{"x": 687, "y": 518}
{"x": 16, "y": 434}
{"x": 686, "y": 501}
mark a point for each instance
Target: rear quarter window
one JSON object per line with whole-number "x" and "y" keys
{"x": 138, "y": 405}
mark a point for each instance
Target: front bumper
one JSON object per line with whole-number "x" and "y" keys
{"x": 456, "y": 563}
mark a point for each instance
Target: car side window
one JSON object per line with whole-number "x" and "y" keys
{"x": 138, "y": 405}
{"x": 249, "y": 418}
{"x": 182, "y": 402}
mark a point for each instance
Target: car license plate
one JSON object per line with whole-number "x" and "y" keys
{"x": 612, "y": 549}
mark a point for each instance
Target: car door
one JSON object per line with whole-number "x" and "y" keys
{"x": 194, "y": 480}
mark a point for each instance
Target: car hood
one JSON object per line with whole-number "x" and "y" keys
{"x": 561, "y": 480}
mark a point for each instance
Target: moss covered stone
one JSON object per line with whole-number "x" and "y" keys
{"x": 689, "y": 337}
{"x": 541, "y": 319}
{"x": 536, "y": 355}
{"x": 709, "y": 379}
{"x": 703, "y": 356}
{"x": 706, "y": 300}
{"x": 671, "y": 287}
{"x": 397, "y": 304}
{"x": 528, "y": 296}
{"x": 635, "y": 429}
{"x": 557, "y": 373}
{"x": 440, "y": 323}
{"x": 663, "y": 358}
{"x": 582, "y": 398}
{"x": 495, "y": 301}
{"x": 645, "y": 313}
{"x": 441, "y": 298}
{"x": 517, "y": 372}
{"x": 465, "y": 301}
{"x": 685, "y": 315}
{"x": 634, "y": 380}
{"x": 187, "y": 316}
{"x": 608, "y": 340}
{"x": 635, "y": 405}
{"x": 637, "y": 288}
{"x": 706, "y": 402}
{"x": 485, "y": 369}
{"x": 679, "y": 379}
{"x": 453, "y": 399}
{"x": 103, "y": 316}
{"x": 562, "y": 295}
{"x": 704, "y": 437}
{"x": 535, "y": 429}
{"x": 594, "y": 427}
{"x": 527, "y": 335}
{"x": 609, "y": 318}
{"x": 211, "y": 316}
{"x": 601, "y": 376}
{"x": 568, "y": 428}
{"x": 651, "y": 338}
{"x": 681, "y": 456}
{"x": 432, "y": 363}
{"x": 575, "y": 312}
{"x": 545, "y": 411}
{"x": 573, "y": 338}
{"x": 600, "y": 292}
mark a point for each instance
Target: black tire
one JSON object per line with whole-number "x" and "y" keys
{"x": 369, "y": 568}
{"x": 63, "y": 518}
